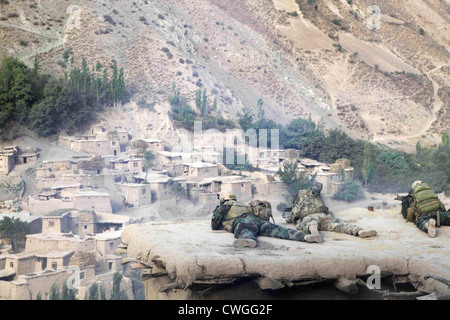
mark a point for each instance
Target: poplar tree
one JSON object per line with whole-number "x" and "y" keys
{"x": 367, "y": 162}
{"x": 204, "y": 108}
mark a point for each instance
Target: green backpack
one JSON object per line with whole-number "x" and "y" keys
{"x": 424, "y": 201}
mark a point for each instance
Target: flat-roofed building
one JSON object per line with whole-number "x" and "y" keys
{"x": 136, "y": 194}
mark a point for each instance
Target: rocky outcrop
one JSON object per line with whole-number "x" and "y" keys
{"x": 178, "y": 257}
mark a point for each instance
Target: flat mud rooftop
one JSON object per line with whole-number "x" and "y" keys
{"x": 184, "y": 260}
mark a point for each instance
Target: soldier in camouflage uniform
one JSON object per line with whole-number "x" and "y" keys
{"x": 236, "y": 217}
{"x": 310, "y": 215}
{"x": 423, "y": 207}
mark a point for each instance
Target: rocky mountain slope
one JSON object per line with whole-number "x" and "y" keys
{"x": 318, "y": 57}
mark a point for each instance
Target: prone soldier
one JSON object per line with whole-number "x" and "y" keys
{"x": 235, "y": 217}
{"x": 310, "y": 215}
{"x": 423, "y": 207}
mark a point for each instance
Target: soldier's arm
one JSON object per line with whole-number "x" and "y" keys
{"x": 217, "y": 217}
{"x": 288, "y": 215}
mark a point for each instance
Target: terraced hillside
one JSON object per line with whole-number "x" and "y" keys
{"x": 301, "y": 57}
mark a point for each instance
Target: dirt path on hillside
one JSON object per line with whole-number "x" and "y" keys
{"x": 375, "y": 55}
{"x": 437, "y": 105}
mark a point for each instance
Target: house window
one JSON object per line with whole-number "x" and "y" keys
{"x": 144, "y": 191}
{"x": 110, "y": 264}
{"x": 81, "y": 275}
{"x": 113, "y": 143}
{"x": 135, "y": 164}
{"x": 51, "y": 224}
{"x": 111, "y": 245}
{"x": 98, "y": 145}
{"x": 54, "y": 265}
{"x": 11, "y": 265}
{"x": 85, "y": 227}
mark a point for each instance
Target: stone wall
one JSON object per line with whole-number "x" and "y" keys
{"x": 37, "y": 243}
{"x": 99, "y": 203}
{"x": 41, "y": 207}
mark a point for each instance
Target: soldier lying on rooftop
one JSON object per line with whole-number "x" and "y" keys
{"x": 423, "y": 207}
{"x": 236, "y": 217}
{"x": 310, "y": 215}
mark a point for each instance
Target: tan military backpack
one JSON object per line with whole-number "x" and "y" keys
{"x": 262, "y": 209}
{"x": 237, "y": 209}
{"x": 424, "y": 201}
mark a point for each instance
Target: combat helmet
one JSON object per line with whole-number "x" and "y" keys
{"x": 415, "y": 183}
{"x": 317, "y": 188}
{"x": 228, "y": 196}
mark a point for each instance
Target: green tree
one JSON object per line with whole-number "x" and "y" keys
{"x": 62, "y": 107}
{"x": 105, "y": 86}
{"x": 121, "y": 89}
{"x": 117, "y": 293}
{"x": 98, "y": 66}
{"x": 114, "y": 81}
{"x": 204, "y": 108}
{"x": 198, "y": 99}
{"x": 259, "y": 107}
{"x": 367, "y": 169}
{"x": 298, "y": 134}
{"x": 66, "y": 55}
{"x": 214, "y": 105}
{"x": 435, "y": 164}
{"x": 294, "y": 179}
{"x": 149, "y": 158}
{"x": 187, "y": 116}
{"x": 102, "y": 292}
{"x": 55, "y": 293}
{"x": 15, "y": 88}
{"x": 93, "y": 291}
{"x": 15, "y": 230}
{"x": 394, "y": 162}
{"x": 174, "y": 98}
{"x": 68, "y": 294}
{"x": 246, "y": 120}
{"x": 350, "y": 191}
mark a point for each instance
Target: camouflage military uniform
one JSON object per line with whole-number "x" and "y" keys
{"x": 444, "y": 219}
{"x": 248, "y": 226}
{"x": 327, "y": 222}
{"x": 308, "y": 207}
{"x": 420, "y": 198}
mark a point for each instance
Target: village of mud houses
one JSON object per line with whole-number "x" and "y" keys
{"x": 231, "y": 157}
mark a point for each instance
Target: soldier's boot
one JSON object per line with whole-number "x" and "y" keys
{"x": 313, "y": 227}
{"x": 430, "y": 226}
{"x": 317, "y": 238}
{"x": 244, "y": 243}
{"x": 367, "y": 233}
